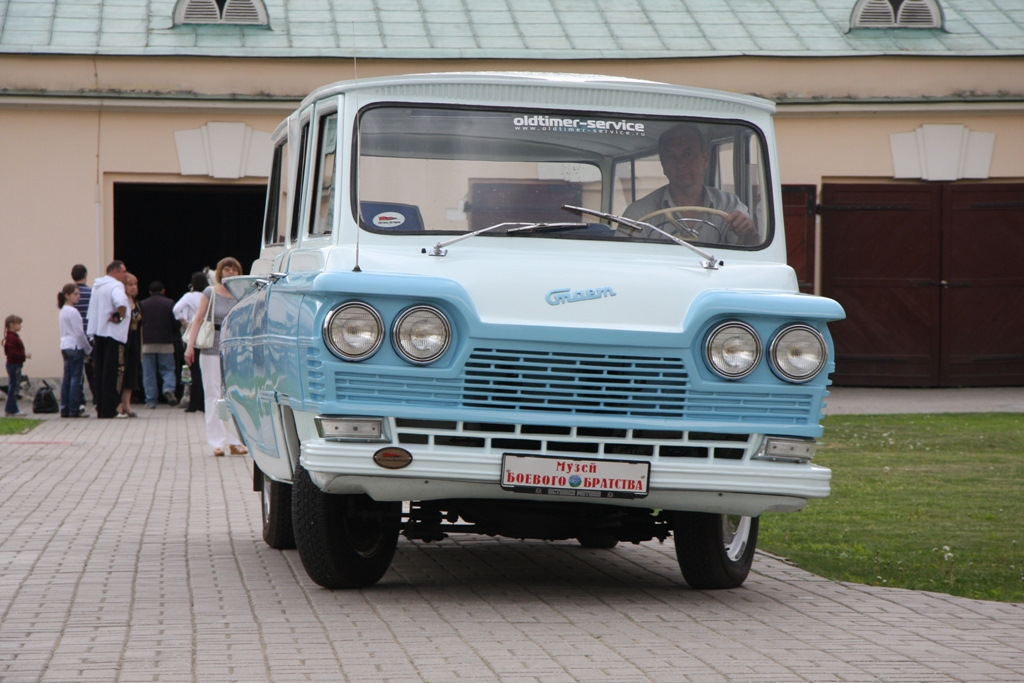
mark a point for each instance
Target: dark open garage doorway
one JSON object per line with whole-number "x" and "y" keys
{"x": 167, "y": 232}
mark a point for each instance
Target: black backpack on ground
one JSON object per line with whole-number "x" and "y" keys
{"x": 45, "y": 401}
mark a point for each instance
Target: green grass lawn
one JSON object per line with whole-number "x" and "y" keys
{"x": 927, "y": 502}
{"x": 16, "y": 425}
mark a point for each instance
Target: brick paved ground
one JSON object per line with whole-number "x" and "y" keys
{"x": 128, "y": 553}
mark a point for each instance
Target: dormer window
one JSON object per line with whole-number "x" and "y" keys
{"x": 896, "y": 14}
{"x": 251, "y": 12}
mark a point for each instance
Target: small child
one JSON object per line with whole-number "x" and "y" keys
{"x": 74, "y": 347}
{"x": 14, "y": 349}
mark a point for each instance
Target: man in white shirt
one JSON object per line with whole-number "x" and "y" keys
{"x": 683, "y": 151}
{"x": 108, "y": 326}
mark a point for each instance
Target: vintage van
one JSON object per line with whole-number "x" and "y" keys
{"x": 478, "y": 308}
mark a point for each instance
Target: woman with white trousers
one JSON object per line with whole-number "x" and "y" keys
{"x": 219, "y": 437}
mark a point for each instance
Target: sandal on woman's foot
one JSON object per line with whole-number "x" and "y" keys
{"x": 238, "y": 450}
{"x": 218, "y": 452}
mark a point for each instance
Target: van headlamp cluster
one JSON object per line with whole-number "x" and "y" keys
{"x": 797, "y": 353}
{"x": 733, "y": 350}
{"x": 355, "y": 331}
{"x": 421, "y": 334}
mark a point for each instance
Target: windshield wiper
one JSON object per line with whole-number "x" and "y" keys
{"x": 544, "y": 227}
{"x": 524, "y": 228}
{"x": 709, "y": 262}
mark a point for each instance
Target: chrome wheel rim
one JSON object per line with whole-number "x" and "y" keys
{"x": 736, "y": 533}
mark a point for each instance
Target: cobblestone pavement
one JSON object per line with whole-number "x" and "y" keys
{"x": 129, "y": 553}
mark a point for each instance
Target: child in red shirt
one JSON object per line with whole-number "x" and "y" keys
{"x": 14, "y": 349}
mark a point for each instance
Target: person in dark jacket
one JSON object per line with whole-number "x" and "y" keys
{"x": 159, "y": 332}
{"x": 184, "y": 311}
{"x": 14, "y": 349}
{"x": 132, "y": 351}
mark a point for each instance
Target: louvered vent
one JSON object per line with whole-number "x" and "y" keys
{"x": 873, "y": 13}
{"x": 221, "y": 12}
{"x": 244, "y": 12}
{"x": 201, "y": 12}
{"x": 896, "y": 14}
{"x": 919, "y": 14}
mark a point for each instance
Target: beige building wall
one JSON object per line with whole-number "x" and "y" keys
{"x": 774, "y": 78}
{"x": 71, "y": 127}
{"x": 56, "y": 189}
{"x": 855, "y": 143}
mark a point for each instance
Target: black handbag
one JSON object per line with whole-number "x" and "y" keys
{"x": 45, "y": 401}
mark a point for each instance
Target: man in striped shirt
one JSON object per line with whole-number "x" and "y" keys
{"x": 78, "y": 275}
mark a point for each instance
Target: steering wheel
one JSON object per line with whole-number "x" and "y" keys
{"x": 669, "y": 210}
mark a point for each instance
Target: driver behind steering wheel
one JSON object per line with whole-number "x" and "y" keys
{"x": 683, "y": 151}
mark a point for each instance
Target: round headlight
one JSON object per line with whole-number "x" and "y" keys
{"x": 354, "y": 331}
{"x": 798, "y": 353}
{"x": 733, "y": 350}
{"x": 421, "y": 334}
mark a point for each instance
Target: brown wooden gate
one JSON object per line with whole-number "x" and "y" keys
{"x": 798, "y": 202}
{"x": 932, "y": 280}
{"x": 983, "y": 285}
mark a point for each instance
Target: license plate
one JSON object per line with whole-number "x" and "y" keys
{"x": 578, "y": 477}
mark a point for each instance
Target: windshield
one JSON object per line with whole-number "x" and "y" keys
{"x": 450, "y": 171}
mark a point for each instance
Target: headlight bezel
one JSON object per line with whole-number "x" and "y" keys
{"x": 714, "y": 352}
{"x": 774, "y": 349}
{"x": 399, "y": 334}
{"x": 373, "y": 315}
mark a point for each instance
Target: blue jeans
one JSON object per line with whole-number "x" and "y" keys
{"x": 13, "y": 384}
{"x": 71, "y": 397}
{"x": 156, "y": 365}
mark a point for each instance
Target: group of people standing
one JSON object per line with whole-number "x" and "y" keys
{"x": 115, "y": 341}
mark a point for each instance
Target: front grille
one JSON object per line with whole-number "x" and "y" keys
{"x": 613, "y": 385}
{"x": 565, "y": 382}
{"x": 572, "y": 441}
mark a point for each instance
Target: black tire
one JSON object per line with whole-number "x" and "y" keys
{"x": 344, "y": 541}
{"x": 597, "y": 541}
{"x": 714, "y": 551}
{"x": 276, "y": 501}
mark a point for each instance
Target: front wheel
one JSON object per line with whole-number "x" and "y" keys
{"x": 276, "y": 499}
{"x": 713, "y": 550}
{"x": 344, "y": 540}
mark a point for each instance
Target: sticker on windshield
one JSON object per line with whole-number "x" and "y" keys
{"x": 388, "y": 219}
{"x": 556, "y": 124}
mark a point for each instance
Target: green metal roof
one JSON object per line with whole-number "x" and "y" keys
{"x": 506, "y": 29}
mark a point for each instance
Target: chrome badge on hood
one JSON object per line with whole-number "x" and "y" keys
{"x": 568, "y": 296}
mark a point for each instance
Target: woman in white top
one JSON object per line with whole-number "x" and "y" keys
{"x": 186, "y": 307}
{"x": 209, "y": 359}
{"x": 184, "y": 311}
{"x": 74, "y": 347}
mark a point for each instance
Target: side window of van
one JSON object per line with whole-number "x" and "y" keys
{"x": 275, "y": 220}
{"x": 299, "y": 183}
{"x": 327, "y": 147}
